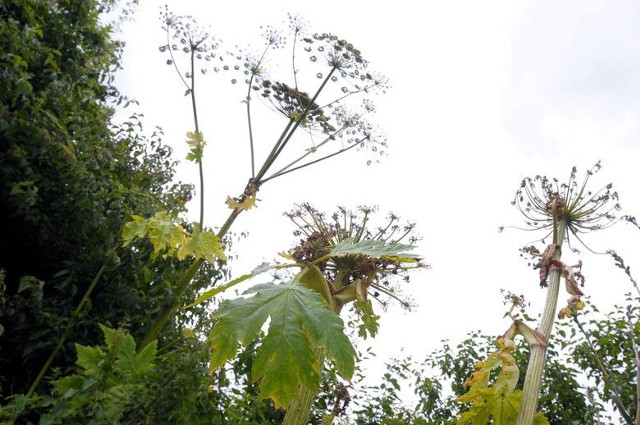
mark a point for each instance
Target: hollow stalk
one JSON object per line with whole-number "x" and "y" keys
{"x": 533, "y": 379}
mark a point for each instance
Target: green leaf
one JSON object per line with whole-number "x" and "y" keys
{"x": 164, "y": 233}
{"x": 69, "y": 385}
{"x": 300, "y": 325}
{"x": 136, "y": 228}
{"x": 284, "y": 360}
{"x": 196, "y": 143}
{"x": 205, "y": 245}
{"x": 113, "y": 338}
{"x": 133, "y": 365}
{"x": 90, "y": 358}
{"x": 370, "y": 324}
{"x": 374, "y": 248}
{"x": 500, "y": 406}
{"x": 144, "y": 359}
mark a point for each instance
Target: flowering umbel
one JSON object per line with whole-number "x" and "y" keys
{"x": 356, "y": 277}
{"x": 544, "y": 202}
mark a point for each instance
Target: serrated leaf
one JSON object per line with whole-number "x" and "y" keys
{"x": 300, "y": 324}
{"x": 164, "y": 233}
{"x": 136, "y": 228}
{"x": 69, "y": 385}
{"x": 370, "y": 324}
{"x": 196, "y": 143}
{"x": 202, "y": 245}
{"x": 144, "y": 358}
{"x": 89, "y": 358}
{"x": 132, "y": 364}
{"x": 499, "y": 402}
{"x": 507, "y": 378}
{"x": 500, "y": 406}
{"x": 375, "y": 248}
{"x": 246, "y": 203}
{"x": 284, "y": 360}
{"x": 113, "y": 337}
{"x": 540, "y": 419}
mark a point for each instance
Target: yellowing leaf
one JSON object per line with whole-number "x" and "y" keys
{"x": 136, "y": 228}
{"x": 164, "y": 233}
{"x": 497, "y": 403}
{"x": 246, "y": 203}
{"x": 202, "y": 244}
{"x": 286, "y": 255}
{"x": 532, "y": 336}
{"x": 300, "y": 324}
{"x": 493, "y": 407}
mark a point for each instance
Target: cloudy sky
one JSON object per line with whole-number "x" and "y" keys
{"x": 482, "y": 94}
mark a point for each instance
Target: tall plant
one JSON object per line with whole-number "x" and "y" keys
{"x": 329, "y": 116}
{"x": 565, "y": 211}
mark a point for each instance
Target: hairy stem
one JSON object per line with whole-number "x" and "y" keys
{"x": 535, "y": 369}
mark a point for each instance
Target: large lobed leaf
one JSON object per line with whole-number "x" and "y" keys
{"x": 301, "y": 329}
{"x": 375, "y": 248}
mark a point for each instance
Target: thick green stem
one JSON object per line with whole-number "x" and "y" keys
{"x": 300, "y": 408}
{"x": 535, "y": 369}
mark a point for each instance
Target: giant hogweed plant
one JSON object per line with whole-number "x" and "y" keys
{"x": 339, "y": 261}
{"x": 328, "y": 109}
{"x": 333, "y": 117}
{"x": 565, "y": 212}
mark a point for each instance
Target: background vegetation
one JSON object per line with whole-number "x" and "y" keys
{"x": 77, "y": 302}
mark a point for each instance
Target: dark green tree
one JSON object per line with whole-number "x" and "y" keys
{"x": 69, "y": 179}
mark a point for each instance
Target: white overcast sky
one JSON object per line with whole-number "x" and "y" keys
{"x": 483, "y": 94}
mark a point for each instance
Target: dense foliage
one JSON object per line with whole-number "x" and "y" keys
{"x": 69, "y": 180}
{"x": 437, "y": 381}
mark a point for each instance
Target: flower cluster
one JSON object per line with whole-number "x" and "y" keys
{"x": 186, "y": 36}
{"x": 294, "y": 104}
{"x": 544, "y": 202}
{"x": 319, "y": 234}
